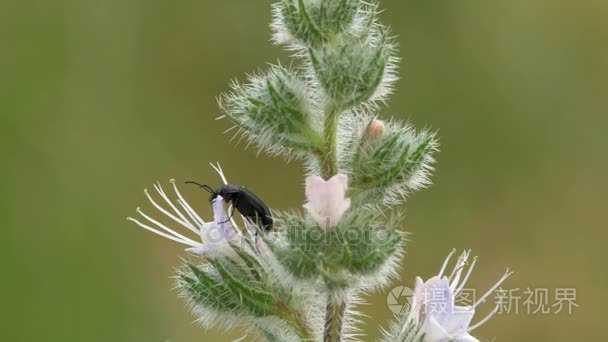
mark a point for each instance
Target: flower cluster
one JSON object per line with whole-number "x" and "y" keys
{"x": 295, "y": 275}
{"x": 216, "y": 236}
{"x": 434, "y": 316}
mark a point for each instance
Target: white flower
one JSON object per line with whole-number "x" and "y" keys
{"x": 434, "y": 310}
{"x": 215, "y": 236}
{"x": 326, "y": 200}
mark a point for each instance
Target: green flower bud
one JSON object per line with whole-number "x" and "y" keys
{"x": 391, "y": 165}
{"x": 314, "y": 22}
{"x": 350, "y": 73}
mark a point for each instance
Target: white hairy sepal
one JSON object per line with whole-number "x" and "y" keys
{"x": 274, "y": 112}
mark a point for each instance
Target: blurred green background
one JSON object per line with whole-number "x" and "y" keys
{"x": 98, "y": 99}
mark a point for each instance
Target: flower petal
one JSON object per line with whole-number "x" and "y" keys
{"x": 434, "y": 332}
{"x": 326, "y": 200}
{"x": 458, "y": 322}
{"x": 219, "y": 213}
{"x": 437, "y": 298}
{"x": 217, "y": 236}
{"x": 465, "y": 338}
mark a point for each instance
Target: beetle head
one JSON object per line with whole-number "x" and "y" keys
{"x": 228, "y": 192}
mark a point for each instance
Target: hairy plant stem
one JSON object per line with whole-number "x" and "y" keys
{"x": 328, "y": 158}
{"x": 334, "y": 318}
{"x": 336, "y": 303}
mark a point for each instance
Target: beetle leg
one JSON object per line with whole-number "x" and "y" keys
{"x": 234, "y": 205}
{"x": 229, "y": 217}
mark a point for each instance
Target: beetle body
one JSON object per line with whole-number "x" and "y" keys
{"x": 245, "y": 201}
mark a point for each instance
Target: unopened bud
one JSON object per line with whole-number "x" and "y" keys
{"x": 375, "y": 129}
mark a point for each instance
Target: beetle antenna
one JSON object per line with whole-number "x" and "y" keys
{"x": 204, "y": 186}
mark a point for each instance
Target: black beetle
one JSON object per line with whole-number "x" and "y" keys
{"x": 243, "y": 200}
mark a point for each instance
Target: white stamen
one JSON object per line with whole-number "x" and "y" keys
{"x": 485, "y": 319}
{"x": 185, "y": 221}
{"x": 466, "y": 277}
{"x": 167, "y": 236}
{"x": 190, "y": 212}
{"x": 445, "y": 263}
{"x": 163, "y": 227}
{"x": 459, "y": 264}
{"x": 219, "y": 170}
{"x": 502, "y": 280}
{"x": 163, "y": 210}
{"x": 457, "y": 272}
{"x": 195, "y": 217}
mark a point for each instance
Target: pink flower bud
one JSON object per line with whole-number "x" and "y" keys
{"x": 375, "y": 129}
